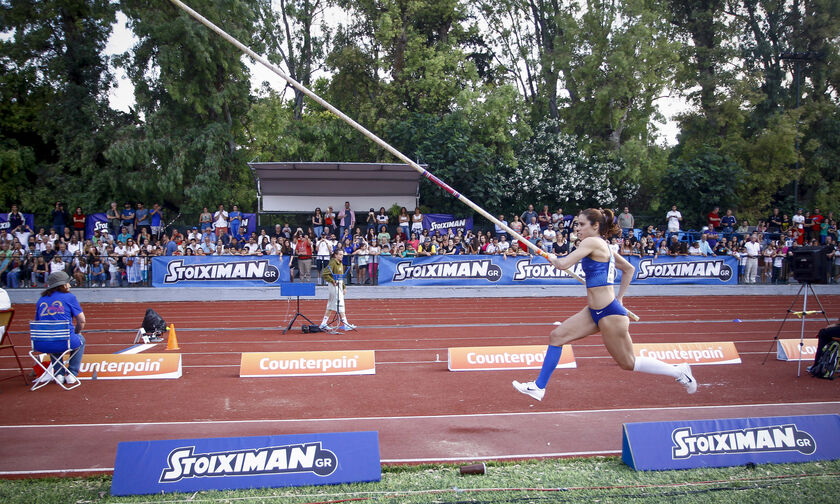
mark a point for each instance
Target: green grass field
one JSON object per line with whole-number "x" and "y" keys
{"x": 599, "y": 479}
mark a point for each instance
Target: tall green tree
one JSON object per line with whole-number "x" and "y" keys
{"x": 192, "y": 93}
{"x": 54, "y": 85}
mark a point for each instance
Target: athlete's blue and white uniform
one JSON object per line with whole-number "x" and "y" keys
{"x": 599, "y": 274}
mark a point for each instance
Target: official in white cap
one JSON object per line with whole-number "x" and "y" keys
{"x": 57, "y": 303}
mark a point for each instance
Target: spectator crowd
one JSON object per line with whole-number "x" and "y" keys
{"x": 120, "y": 253}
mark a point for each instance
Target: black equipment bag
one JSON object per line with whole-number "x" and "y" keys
{"x": 310, "y": 328}
{"x": 153, "y": 323}
{"x": 827, "y": 360}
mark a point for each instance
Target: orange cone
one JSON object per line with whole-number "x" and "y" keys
{"x": 172, "y": 342}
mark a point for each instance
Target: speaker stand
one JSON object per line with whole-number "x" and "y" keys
{"x": 801, "y": 314}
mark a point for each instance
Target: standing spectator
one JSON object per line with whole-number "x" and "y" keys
{"x": 544, "y": 218}
{"x": 516, "y": 224}
{"x": 127, "y": 216}
{"x": 728, "y": 222}
{"x": 417, "y": 222}
{"x": 808, "y": 227}
{"x": 303, "y": 251}
{"x": 527, "y": 214}
{"x": 330, "y": 221}
{"x": 817, "y": 219}
{"x": 156, "y": 216}
{"x": 347, "y": 219}
{"x": 673, "y": 217}
{"x": 753, "y": 250}
{"x": 774, "y": 222}
{"x": 798, "y": 221}
{"x": 626, "y": 222}
{"x": 778, "y": 261}
{"x": 220, "y": 221}
{"x": 370, "y": 221}
{"x": 235, "y": 222}
{"x": 404, "y": 222}
{"x": 713, "y": 220}
{"x": 499, "y": 229}
{"x": 205, "y": 220}
{"x": 113, "y": 216}
{"x": 318, "y": 224}
{"x": 381, "y": 218}
{"x": 142, "y": 223}
{"x": 59, "y": 217}
{"x": 15, "y": 220}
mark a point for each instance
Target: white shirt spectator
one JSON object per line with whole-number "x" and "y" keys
{"x": 534, "y": 228}
{"x": 503, "y": 246}
{"x": 753, "y": 249}
{"x": 220, "y": 219}
{"x": 798, "y": 221}
{"x": 673, "y": 217}
{"x": 252, "y": 248}
{"x": 74, "y": 247}
{"x": 492, "y": 249}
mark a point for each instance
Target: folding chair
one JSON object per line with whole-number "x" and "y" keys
{"x": 51, "y": 337}
{"x": 6, "y": 317}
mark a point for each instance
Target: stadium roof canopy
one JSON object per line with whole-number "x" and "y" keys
{"x": 288, "y": 187}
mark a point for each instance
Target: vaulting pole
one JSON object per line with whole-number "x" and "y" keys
{"x": 382, "y": 143}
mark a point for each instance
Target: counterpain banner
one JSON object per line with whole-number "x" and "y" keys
{"x": 522, "y": 270}
{"x": 654, "y": 446}
{"x": 220, "y": 271}
{"x": 446, "y": 222}
{"x": 28, "y": 219}
{"x": 189, "y": 465}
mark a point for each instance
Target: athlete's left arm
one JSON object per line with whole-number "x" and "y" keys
{"x": 627, "y": 271}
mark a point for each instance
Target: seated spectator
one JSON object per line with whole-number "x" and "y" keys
{"x": 534, "y": 227}
{"x": 80, "y": 272}
{"x": 674, "y": 246}
{"x": 427, "y": 248}
{"x": 39, "y": 272}
{"x": 383, "y": 238}
{"x": 694, "y": 249}
{"x": 97, "y": 273}
{"x": 56, "y": 264}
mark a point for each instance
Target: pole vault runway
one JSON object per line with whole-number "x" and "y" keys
{"x": 422, "y": 411}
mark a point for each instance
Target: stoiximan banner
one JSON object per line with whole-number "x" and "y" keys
{"x": 531, "y": 270}
{"x": 220, "y": 271}
{"x": 730, "y": 442}
{"x": 188, "y": 465}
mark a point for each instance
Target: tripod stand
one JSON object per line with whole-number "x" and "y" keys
{"x": 801, "y": 314}
{"x": 298, "y": 290}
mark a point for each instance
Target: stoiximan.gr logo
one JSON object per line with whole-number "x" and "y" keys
{"x": 301, "y": 458}
{"x": 773, "y": 438}
{"x": 177, "y": 271}
{"x": 714, "y": 268}
{"x": 528, "y": 270}
{"x": 481, "y": 268}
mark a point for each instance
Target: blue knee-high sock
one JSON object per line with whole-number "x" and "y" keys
{"x": 552, "y": 357}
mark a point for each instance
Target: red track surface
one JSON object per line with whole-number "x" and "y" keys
{"x": 421, "y": 410}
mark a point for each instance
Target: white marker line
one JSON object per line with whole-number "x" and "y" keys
{"x": 497, "y": 457}
{"x": 426, "y": 417}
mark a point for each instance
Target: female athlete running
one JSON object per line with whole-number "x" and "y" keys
{"x": 605, "y": 312}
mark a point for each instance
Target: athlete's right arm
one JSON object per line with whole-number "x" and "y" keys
{"x": 567, "y": 261}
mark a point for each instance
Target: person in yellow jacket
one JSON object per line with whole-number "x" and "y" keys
{"x": 333, "y": 276}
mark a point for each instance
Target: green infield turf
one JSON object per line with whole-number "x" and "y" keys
{"x": 597, "y": 479}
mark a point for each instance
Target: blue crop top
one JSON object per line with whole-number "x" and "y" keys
{"x": 598, "y": 273}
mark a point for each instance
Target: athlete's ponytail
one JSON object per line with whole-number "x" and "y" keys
{"x": 607, "y": 227}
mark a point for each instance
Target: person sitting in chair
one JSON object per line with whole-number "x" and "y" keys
{"x": 57, "y": 303}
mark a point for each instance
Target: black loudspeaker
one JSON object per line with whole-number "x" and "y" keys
{"x": 810, "y": 265}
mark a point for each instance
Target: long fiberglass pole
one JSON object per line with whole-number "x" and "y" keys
{"x": 382, "y": 143}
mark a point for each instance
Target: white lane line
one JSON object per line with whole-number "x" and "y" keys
{"x": 497, "y": 457}
{"x": 429, "y": 417}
